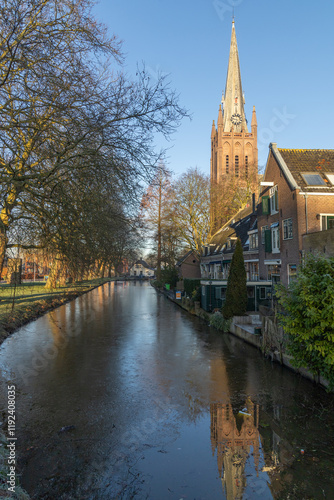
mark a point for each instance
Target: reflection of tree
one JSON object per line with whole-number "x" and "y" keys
{"x": 233, "y": 437}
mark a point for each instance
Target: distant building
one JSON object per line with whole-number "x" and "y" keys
{"x": 297, "y": 205}
{"x": 141, "y": 269}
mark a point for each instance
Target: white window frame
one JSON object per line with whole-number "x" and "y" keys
{"x": 253, "y": 241}
{"x": 287, "y": 225}
{"x": 275, "y": 240}
{"x": 322, "y": 228}
{"x": 273, "y": 200}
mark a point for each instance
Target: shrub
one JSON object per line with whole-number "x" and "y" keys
{"x": 307, "y": 316}
{"x": 169, "y": 275}
{"x": 236, "y": 292}
{"x": 218, "y": 321}
{"x": 190, "y": 285}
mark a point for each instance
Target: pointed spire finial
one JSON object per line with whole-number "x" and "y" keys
{"x": 254, "y": 120}
{"x": 234, "y": 113}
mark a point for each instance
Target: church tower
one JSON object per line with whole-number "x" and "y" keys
{"x": 234, "y": 153}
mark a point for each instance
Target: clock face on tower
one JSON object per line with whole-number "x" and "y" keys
{"x": 236, "y": 119}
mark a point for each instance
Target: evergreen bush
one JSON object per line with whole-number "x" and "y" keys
{"x": 236, "y": 292}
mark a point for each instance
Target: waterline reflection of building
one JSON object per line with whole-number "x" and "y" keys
{"x": 235, "y": 437}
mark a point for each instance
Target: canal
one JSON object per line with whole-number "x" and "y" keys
{"x": 121, "y": 395}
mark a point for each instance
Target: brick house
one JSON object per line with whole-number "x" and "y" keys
{"x": 217, "y": 257}
{"x": 189, "y": 265}
{"x": 297, "y": 198}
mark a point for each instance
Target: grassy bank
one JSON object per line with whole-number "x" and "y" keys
{"x": 26, "y": 302}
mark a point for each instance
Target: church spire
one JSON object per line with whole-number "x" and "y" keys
{"x": 234, "y": 113}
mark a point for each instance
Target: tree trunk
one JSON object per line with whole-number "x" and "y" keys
{"x": 159, "y": 232}
{"x": 62, "y": 274}
{"x": 102, "y": 269}
{"x": 3, "y": 245}
{"x": 53, "y": 276}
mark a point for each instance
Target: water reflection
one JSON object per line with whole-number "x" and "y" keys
{"x": 235, "y": 438}
{"x": 163, "y": 407}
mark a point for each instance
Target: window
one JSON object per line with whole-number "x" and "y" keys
{"x": 327, "y": 222}
{"x": 263, "y": 229}
{"x": 274, "y": 271}
{"x": 246, "y": 166}
{"x": 330, "y": 177}
{"x": 227, "y": 163}
{"x": 292, "y": 272}
{"x": 252, "y": 270}
{"x": 263, "y": 295}
{"x": 215, "y": 166}
{"x": 236, "y": 168}
{"x": 225, "y": 270}
{"x": 275, "y": 239}
{"x": 287, "y": 229}
{"x": 314, "y": 179}
{"x": 273, "y": 200}
{"x": 253, "y": 241}
{"x": 220, "y": 293}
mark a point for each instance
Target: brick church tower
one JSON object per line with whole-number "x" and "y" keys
{"x": 234, "y": 153}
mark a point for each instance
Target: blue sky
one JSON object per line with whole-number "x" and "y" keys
{"x": 286, "y": 60}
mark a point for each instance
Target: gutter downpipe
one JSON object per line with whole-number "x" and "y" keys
{"x": 306, "y": 214}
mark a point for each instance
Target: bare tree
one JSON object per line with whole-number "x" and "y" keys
{"x": 155, "y": 212}
{"x": 229, "y": 196}
{"x": 191, "y": 208}
{"x": 63, "y": 110}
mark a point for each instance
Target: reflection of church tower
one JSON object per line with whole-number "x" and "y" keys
{"x": 234, "y": 153}
{"x": 234, "y": 437}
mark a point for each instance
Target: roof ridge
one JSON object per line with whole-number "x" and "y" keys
{"x": 311, "y": 149}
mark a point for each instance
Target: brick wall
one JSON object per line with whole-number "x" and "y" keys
{"x": 303, "y": 212}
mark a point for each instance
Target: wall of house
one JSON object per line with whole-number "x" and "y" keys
{"x": 287, "y": 208}
{"x": 141, "y": 270}
{"x": 306, "y": 218}
{"x": 190, "y": 267}
{"x": 320, "y": 242}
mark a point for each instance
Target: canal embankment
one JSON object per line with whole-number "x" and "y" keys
{"x": 257, "y": 329}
